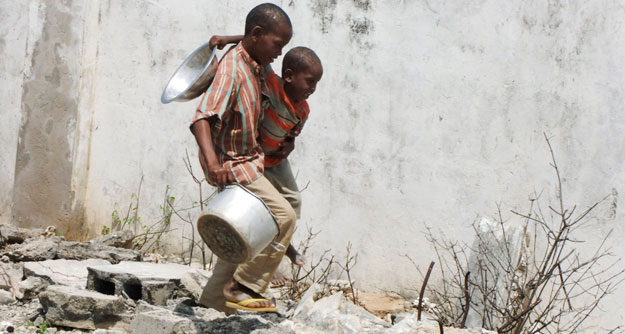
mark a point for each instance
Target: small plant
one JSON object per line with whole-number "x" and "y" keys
{"x": 529, "y": 280}
{"x": 105, "y": 230}
{"x": 41, "y": 329}
{"x": 131, "y": 219}
{"x": 320, "y": 271}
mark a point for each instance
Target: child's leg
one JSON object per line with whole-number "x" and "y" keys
{"x": 281, "y": 177}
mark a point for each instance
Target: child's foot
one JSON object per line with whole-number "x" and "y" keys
{"x": 279, "y": 280}
{"x": 238, "y": 296}
{"x": 295, "y": 257}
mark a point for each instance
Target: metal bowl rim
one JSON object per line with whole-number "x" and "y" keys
{"x": 186, "y": 60}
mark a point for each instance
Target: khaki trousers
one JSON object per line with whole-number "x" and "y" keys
{"x": 281, "y": 177}
{"x": 257, "y": 273}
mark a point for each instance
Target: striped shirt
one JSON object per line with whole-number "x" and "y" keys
{"x": 232, "y": 105}
{"x": 282, "y": 118}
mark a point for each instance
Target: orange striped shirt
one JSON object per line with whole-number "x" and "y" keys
{"x": 232, "y": 104}
{"x": 281, "y": 119}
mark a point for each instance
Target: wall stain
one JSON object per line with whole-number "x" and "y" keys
{"x": 363, "y": 4}
{"x": 42, "y": 190}
{"x": 360, "y": 29}
{"x": 613, "y": 203}
{"x": 324, "y": 11}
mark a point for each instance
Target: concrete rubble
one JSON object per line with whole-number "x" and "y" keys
{"x": 151, "y": 282}
{"x": 63, "y": 272}
{"x": 76, "y": 308}
{"x": 70, "y": 287}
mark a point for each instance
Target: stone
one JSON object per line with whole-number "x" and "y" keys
{"x": 178, "y": 318}
{"x": 10, "y": 234}
{"x": 194, "y": 281}
{"x": 109, "y": 331}
{"x": 30, "y": 288}
{"x": 381, "y": 304}
{"x": 191, "y": 320}
{"x": 495, "y": 245}
{"x": 6, "y": 327}
{"x": 34, "y": 249}
{"x": 120, "y": 239}
{"x": 151, "y": 282}
{"x": 71, "y": 307}
{"x": 411, "y": 325}
{"x": 62, "y": 271}
{"x": 335, "y": 314}
{"x": 10, "y": 275}
{"x": 41, "y": 249}
{"x": 86, "y": 250}
{"x": 307, "y": 301}
{"x": 160, "y": 321}
{"x": 289, "y": 327}
{"x": 6, "y": 297}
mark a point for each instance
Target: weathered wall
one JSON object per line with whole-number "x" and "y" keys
{"x": 429, "y": 112}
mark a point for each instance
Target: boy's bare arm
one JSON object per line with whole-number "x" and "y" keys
{"x": 217, "y": 174}
{"x": 221, "y": 41}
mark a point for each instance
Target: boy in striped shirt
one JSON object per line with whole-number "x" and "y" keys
{"x": 225, "y": 127}
{"x": 283, "y": 119}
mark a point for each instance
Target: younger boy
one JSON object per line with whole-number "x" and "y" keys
{"x": 225, "y": 127}
{"x": 283, "y": 120}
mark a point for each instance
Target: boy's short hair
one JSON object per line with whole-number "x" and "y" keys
{"x": 299, "y": 59}
{"x": 266, "y": 15}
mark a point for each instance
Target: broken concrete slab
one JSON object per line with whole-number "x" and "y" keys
{"x": 151, "y": 282}
{"x": 34, "y": 249}
{"x": 10, "y": 234}
{"x": 120, "y": 239}
{"x": 30, "y": 288}
{"x": 181, "y": 318}
{"x": 85, "y": 250}
{"x": 194, "y": 280}
{"x": 10, "y": 275}
{"x": 63, "y": 272}
{"x": 41, "y": 249}
{"x": 70, "y": 307}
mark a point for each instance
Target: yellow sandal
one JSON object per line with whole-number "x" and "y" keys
{"x": 242, "y": 305}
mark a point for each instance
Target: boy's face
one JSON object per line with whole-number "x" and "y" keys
{"x": 268, "y": 45}
{"x": 299, "y": 86}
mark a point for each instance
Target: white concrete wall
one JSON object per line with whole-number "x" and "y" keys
{"x": 429, "y": 113}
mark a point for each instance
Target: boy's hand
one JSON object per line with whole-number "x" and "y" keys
{"x": 219, "y": 176}
{"x": 216, "y": 174}
{"x": 286, "y": 147}
{"x": 221, "y": 41}
{"x": 217, "y": 41}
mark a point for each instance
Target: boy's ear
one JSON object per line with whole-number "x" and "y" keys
{"x": 256, "y": 32}
{"x": 288, "y": 75}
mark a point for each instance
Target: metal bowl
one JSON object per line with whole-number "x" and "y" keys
{"x": 193, "y": 77}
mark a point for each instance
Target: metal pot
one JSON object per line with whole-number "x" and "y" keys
{"x": 236, "y": 224}
{"x": 193, "y": 77}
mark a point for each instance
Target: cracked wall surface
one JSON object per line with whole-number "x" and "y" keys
{"x": 429, "y": 113}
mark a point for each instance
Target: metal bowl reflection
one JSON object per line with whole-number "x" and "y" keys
{"x": 193, "y": 77}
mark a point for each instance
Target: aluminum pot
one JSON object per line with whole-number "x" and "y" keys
{"x": 236, "y": 224}
{"x": 193, "y": 77}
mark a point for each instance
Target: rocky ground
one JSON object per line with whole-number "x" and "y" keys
{"x": 50, "y": 285}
